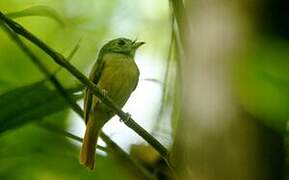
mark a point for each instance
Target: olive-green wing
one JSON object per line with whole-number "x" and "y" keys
{"x": 136, "y": 80}
{"x": 94, "y": 77}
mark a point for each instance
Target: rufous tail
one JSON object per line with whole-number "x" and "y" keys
{"x": 87, "y": 152}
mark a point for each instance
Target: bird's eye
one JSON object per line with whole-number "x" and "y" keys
{"x": 121, "y": 42}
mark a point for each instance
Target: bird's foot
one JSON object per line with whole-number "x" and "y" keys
{"x": 104, "y": 92}
{"x": 126, "y": 119}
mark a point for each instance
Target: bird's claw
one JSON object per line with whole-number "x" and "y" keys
{"x": 126, "y": 119}
{"x": 104, "y": 92}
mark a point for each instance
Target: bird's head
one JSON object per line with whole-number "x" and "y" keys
{"x": 121, "y": 45}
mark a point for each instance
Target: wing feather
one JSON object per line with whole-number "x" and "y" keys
{"x": 94, "y": 77}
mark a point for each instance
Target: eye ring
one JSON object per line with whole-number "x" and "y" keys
{"x": 121, "y": 42}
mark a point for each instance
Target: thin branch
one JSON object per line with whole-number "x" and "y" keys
{"x": 74, "y": 50}
{"x": 59, "y": 59}
{"x": 55, "y": 129}
{"x": 153, "y": 80}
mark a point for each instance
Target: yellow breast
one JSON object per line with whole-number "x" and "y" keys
{"x": 119, "y": 77}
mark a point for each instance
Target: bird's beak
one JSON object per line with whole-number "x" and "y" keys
{"x": 137, "y": 44}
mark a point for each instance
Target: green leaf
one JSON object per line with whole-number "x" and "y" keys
{"x": 29, "y": 103}
{"x": 44, "y": 11}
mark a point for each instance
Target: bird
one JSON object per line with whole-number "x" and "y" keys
{"x": 116, "y": 74}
